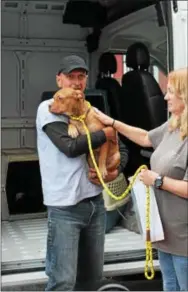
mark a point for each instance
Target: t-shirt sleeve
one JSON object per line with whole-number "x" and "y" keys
{"x": 156, "y": 135}
{"x": 72, "y": 147}
{"x": 44, "y": 116}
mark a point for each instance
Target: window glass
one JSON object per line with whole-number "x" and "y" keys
{"x": 160, "y": 77}
{"x": 154, "y": 70}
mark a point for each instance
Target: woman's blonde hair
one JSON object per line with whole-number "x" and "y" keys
{"x": 178, "y": 79}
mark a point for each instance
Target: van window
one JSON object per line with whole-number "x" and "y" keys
{"x": 120, "y": 59}
{"x": 159, "y": 75}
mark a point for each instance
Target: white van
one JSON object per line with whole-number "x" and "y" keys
{"x": 36, "y": 35}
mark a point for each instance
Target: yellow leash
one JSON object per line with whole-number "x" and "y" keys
{"x": 149, "y": 269}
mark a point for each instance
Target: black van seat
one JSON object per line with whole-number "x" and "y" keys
{"x": 107, "y": 66}
{"x": 142, "y": 103}
{"x": 96, "y": 97}
{"x": 47, "y": 95}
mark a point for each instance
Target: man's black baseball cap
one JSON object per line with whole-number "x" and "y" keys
{"x": 71, "y": 63}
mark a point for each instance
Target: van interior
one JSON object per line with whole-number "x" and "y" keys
{"x": 125, "y": 45}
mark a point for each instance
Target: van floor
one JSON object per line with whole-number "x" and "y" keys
{"x": 24, "y": 245}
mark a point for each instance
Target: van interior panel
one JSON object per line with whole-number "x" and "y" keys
{"x": 36, "y": 35}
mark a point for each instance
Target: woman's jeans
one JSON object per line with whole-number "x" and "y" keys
{"x": 75, "y": 245}
{"x": 174, "y": 270}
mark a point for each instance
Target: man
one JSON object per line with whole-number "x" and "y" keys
{"x": 76, "y": 214}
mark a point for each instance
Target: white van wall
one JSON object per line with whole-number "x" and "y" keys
{"x": 34, "y": 40}
{"x": 140, "y": 26}
{"x": 179, "y": 24}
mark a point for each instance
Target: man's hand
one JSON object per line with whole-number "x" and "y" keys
{"x": 69, "y": 92}
{"x": 94, "y": 178}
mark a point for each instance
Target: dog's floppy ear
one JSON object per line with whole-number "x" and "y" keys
{"x": 55, "y": 107}
{"x": 57, "y": 94}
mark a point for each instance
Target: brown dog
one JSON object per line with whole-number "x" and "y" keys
{"x": 71, "y": 102}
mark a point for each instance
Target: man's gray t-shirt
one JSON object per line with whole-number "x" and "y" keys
{"x": 64, "y": 180}
{"x": 170, "y": 159}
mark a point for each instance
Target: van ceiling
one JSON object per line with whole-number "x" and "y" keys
{"x": 99, "y": 13}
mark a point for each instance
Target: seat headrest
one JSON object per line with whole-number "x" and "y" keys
{"x": 138, "y": 57}
{"x": 47, "y": 95}
{"x": 107, "y": 63}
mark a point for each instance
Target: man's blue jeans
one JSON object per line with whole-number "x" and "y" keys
{"x": 174, "y": 271}
{"x": 75, "y": 245}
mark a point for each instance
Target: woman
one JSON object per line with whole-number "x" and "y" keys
{"x": 169, "y": 176}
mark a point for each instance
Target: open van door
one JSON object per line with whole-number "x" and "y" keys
{"x": 179, "y": 32}
{"x": 36, "y": 35}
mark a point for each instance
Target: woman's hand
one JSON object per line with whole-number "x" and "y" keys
{"x": 148, "y": 177}
{"x": 106, "y": 120}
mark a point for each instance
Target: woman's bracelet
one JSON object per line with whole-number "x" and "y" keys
{"x": 113, "y": 123}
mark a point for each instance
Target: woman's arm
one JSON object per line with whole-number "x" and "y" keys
{"x": 174, "y": 186}
{"x": 137, "y": 135}
{"x": 177, "y": 187}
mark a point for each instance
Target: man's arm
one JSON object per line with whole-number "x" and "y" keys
{"x": 72, "y": 147}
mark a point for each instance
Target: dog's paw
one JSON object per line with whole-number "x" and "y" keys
{"x": 72, "y": 131}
